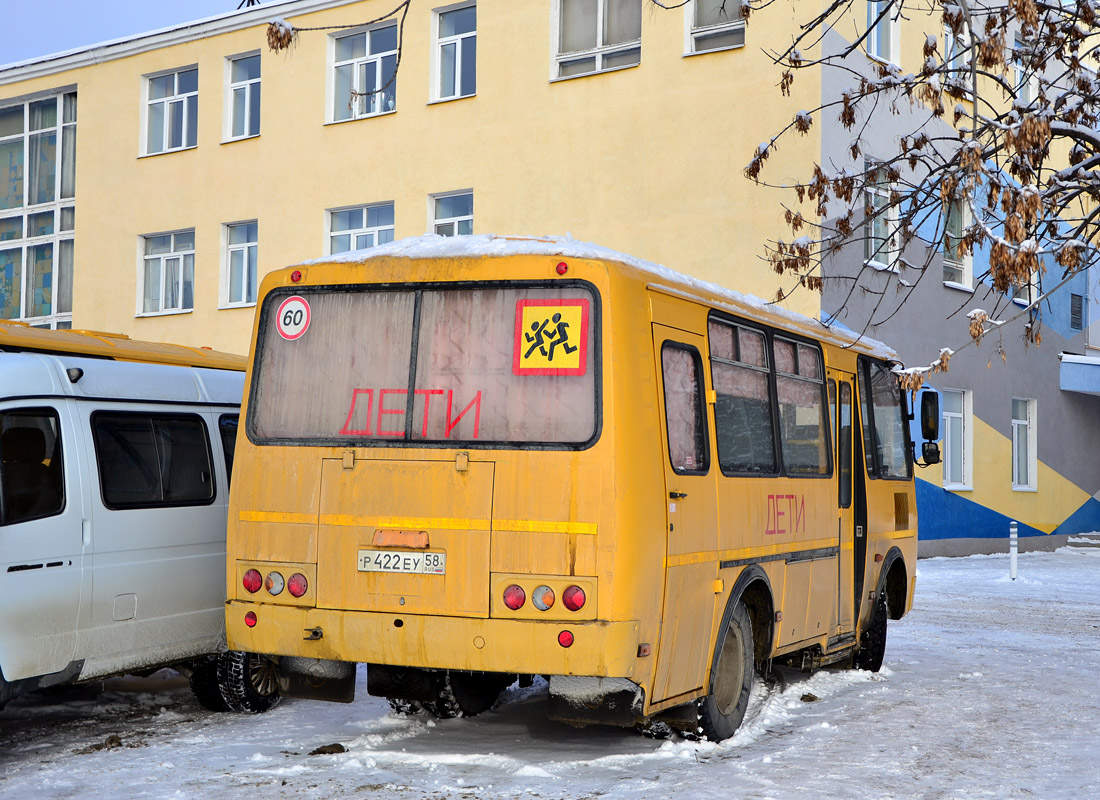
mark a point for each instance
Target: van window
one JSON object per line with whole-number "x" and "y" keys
{"x": 227, "y": 426}
{"x": 152, "y": 460}
{"x": 30, "y": 465}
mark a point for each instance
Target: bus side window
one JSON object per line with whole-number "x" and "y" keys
{"x": 30, "y": 465}
{"x": 743, "y": 408}
{"x": 687, "y": 442}
{"x": 227, "y": 427}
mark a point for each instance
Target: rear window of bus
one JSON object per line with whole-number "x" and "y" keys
{"x": 500, "y": 364}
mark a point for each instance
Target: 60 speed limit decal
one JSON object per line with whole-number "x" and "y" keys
{"x": 292, "y": 318}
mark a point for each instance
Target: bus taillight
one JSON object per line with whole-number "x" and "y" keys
{"x": 250, "y": 619}
{"x": 252, "y": 581}
{"x": 297, "y": 584}
{"x": 514, "y": 597}
{"x": 543, "y": 598}
{"x": 565, "y": 638}
{"x": 274, "y": 583}
{"x": 574, "y": 598}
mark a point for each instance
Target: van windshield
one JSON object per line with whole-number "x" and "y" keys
{"x": 498, "y": 364}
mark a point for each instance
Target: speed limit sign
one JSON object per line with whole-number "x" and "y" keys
{"x": 292, "y": 318}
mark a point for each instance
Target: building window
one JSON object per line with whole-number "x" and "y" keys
{"x": 244, "y": 97}
{"x": 957, "y": 58}
{"x": 37, "y": 212}
{"x": 168, "y": 274}
{"x": 240, "y": 258}
{"x": 172, "y": 111}
{"x": 881, "y": 219}
{"x": 715, "y": 25}
{"x": 454, "y": 214}
{"x": 1023, "y": 443}
{"x": 881, "y": 30}
{"x": 957, "y": 261}
{"x": 456, "y": 53}
{"x": 1076, "y": 312}
{"x": 1025, "y": 294}
{"x": 957, "y": 438}
{"x": 597, "y": 35}
{"x": 1026, "y": 83}
{"x": 360, "y": 227}
{"x": 365, "y": 74}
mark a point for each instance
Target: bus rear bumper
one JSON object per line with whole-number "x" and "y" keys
{"x": 599, "y": 648}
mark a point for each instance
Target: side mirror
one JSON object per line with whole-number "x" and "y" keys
{"x": 931, "y": 453}
{"x": 930, "y": 421}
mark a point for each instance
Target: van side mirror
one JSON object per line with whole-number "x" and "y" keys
{"x": 930, "y": 420}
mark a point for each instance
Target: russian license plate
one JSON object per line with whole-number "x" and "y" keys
{"x": 415, "y": 563}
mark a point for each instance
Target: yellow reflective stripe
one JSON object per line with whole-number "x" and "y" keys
{"x": 544, "y": 526}
{"x": 454, "y": 524}
{"x": 278, "y": 516}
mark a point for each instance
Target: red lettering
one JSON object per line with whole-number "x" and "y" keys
{"x": 771, "y": 528}
{"x": 453, "y": 421}
{"x": 427, "y": 402}
{"x": 795, "y": 512}
{"x": 347, "y": 430}
{"x": 383, "y": 410}
{"x": 800, "y": 514}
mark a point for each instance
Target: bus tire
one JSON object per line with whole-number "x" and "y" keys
{"x": 465, "y": 694}
{"x": 723, "y": 709}
{"x": 249, "y": 682}
{"x": 872, "y": 642}
{"x": 204, "y": 683}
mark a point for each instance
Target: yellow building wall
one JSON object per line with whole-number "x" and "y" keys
{"x": 647, "y": 160}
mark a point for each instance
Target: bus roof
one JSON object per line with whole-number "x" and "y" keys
{"x": 662, "y": 278}
{"x": 20, "y": 337}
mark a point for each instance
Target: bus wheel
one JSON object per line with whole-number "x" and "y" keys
{"x": 466, "y": 694}
{"x": 249, "y": 682}
{"x": 721, "y": 711}
{"x": 872, "y": 642}
{"x": 204, "y": 683}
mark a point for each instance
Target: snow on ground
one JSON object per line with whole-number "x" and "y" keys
{"x": 989, "y": 691}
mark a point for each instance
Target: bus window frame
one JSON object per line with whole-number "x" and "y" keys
{"x": 700, "y": 400}
{"x": 268, "y": 305}
{"x": 770, "y": 333}
{"x": 867, "y": 423}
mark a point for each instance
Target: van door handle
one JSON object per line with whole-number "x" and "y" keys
{"x": 677, "y": 495}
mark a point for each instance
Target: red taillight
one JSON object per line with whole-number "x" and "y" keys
{"x": 250, "y": 619}
{"x": 562, "y": 268}
{"x": 296, "y": 275}
{"x": 542, "y": 598}
{"x": 573, "y": 598}
{"x": 274, "y": 583}
{"x": 297, "y": 584}
{"x": 252, "y": 581}
{"x": 565, "y": 639}
{"x": 514, "y": 597}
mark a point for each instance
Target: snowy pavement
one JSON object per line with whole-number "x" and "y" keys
{"x": 989, "y": 691}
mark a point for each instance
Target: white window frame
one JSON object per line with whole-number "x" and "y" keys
{"x": 1024, "y": 434}
{"x": 880, "y": 257}
{"x": 875, "y": 40}
{"x": 247, "y": 86}
{"x": 957, "y": 57}
{"x": 460, "y": 42}
{"x": 964, "y": 441}
{"x": 378, "y": 232}
{"x": 358, "y": 101}
{"x": 694, "y": 35}
{"x": 600, "y": 53}
{"x": 182, "y": 254}
{"x": 148, "y": 102}
{"x": 1027, "y": 294}
{"x": 249, "y": 251}
{"x": 964, "y": 264}
{"x": 1027, "y": 86}
{"x": 436, "y": 221}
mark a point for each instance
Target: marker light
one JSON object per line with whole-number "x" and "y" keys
{"x": 250, "y": 619}
{"x": 252, "y": 581}
{"x": 562, "y": 268}
{"x": 573, "y": 598}
{"x": 543, "y": 598}
{"x": 274, "y": 583}
{"x": 297, "y": 584}
{"x": 565, "y": 639}
{"x": 514, "y": 597}
{"x": 296, "y": 275}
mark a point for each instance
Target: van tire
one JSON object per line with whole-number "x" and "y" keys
{"x": 249, "y": 682}
{"x": 723, "y": 709}
{"x": 872, "y": 642}
{"x": 204, "y": 683}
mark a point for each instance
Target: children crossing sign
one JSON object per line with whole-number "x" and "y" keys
{"x": 551, "y": 337}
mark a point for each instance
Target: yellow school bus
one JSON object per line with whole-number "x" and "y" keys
{"x": 475, "y": 460}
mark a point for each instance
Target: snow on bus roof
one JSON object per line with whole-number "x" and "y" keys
{"x": 495, "y": 245}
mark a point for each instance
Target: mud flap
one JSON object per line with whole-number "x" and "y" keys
{"x": 317, "y": 679}
{"x": 580, "y": 700}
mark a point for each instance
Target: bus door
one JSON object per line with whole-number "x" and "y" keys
{"x": 691, "y": 522}
{"x": 841, "y": 387}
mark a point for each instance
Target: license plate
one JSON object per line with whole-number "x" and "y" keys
{"x": 421, "y": 563}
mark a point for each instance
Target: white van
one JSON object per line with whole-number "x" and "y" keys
{"x": 115, "y": 459}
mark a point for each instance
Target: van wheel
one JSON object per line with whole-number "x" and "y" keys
{"x": 249, "y": 682}
{"x": 466, "y": 694}
{"x": 872, "y": 642}
{"x": 721, "y": 711}
{"x": 204, "y": 683}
